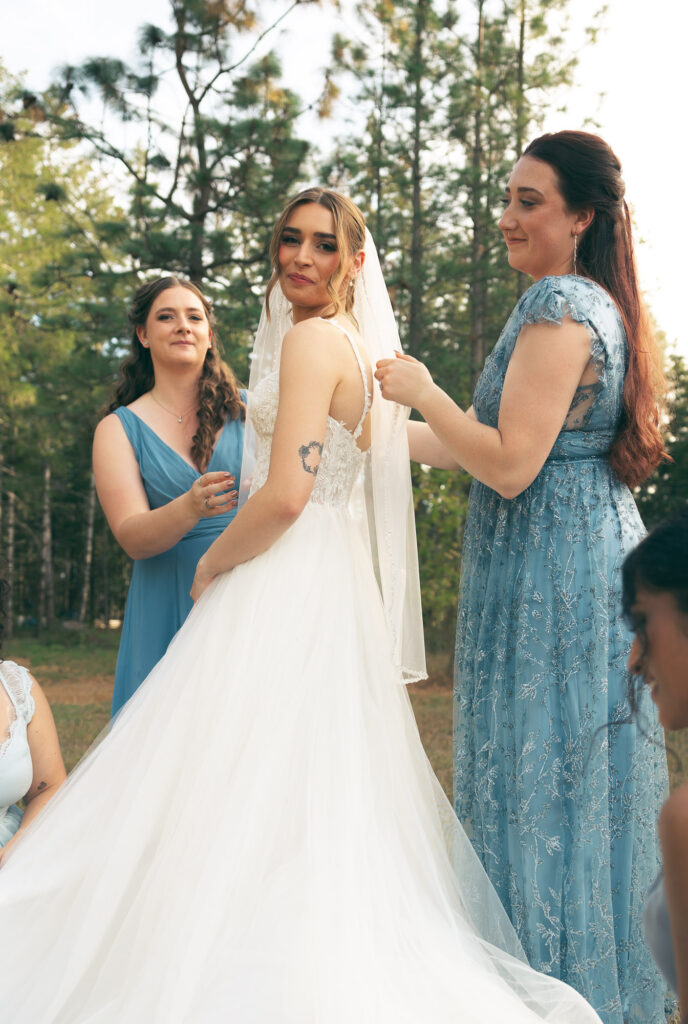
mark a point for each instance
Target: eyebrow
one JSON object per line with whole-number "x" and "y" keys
{"x": 527, "y": 189}
{"x": 317, "y": 234}
{"x": 172, "y": 309}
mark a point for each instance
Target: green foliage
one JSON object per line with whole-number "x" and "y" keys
{"x": 446, "y": 96}
{"x": 440, "y": 505}
{"x": 205, "y": 187}
{"x": 60, "y": 308}
{"x": 666, "y": 492}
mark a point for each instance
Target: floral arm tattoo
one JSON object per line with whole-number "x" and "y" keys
{"x": 309, "y": 452}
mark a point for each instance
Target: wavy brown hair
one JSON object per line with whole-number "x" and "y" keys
{"x": 218, "y": 391}
{"x": 349, "y": 229}
{"x": 589, "y": 177}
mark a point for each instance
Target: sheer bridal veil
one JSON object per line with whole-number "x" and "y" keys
{"x": 385, "y": 490}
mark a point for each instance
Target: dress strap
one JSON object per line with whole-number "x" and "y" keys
{"x": 366, "y": 390}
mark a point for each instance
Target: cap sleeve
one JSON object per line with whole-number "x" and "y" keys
{"x": 18, "y": 684}
{"x": 553, "y": 299}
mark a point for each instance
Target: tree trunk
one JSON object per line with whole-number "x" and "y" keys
{"x": 88, "y": 550}
{"x": 46, "y": 600}
{"x": 521, "y": 116}
{"x": 106, "y": 579}
{"x": 9, "y": 561}
{"x": 415, "y": 335}
{"x": 477, "y": 302}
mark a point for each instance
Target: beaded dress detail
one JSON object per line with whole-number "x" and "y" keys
{"x": 560, "y": 799}
{"x": 341, "y": 460}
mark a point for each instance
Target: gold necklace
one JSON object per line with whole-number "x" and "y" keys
{"x": 178, "y": 416}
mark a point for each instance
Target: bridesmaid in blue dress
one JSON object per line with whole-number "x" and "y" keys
{"x": 166, "y": 461}
{"x": 559, "y": 799}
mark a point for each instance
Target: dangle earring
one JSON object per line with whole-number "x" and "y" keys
{"x": 575, "y": 252}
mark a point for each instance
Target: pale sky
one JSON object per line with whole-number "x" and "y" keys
{"x": 638, "y": 64}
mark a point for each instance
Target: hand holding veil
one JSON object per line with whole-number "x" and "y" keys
{"x": 387, "y": 485}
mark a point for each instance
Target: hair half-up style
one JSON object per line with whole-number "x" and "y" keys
{"x": 218, "y": 391}
{"x": 589, "y": 178}
{"x": 349, "y": 229}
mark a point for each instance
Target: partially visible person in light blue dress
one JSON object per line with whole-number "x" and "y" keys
{"x": 655, "y": 597}
{"x": 559, "y": 799}
{"x": 31, "y": 766}
{"x": 166, "y": 462}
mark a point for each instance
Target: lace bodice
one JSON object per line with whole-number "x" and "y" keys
{"x": 341, "y": 460}
{"x": 16, "y": 770}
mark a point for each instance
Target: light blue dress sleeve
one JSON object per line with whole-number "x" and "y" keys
{"x": 16, "y": 770}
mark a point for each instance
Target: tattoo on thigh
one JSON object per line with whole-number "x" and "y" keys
{"x": 309, "y": 453}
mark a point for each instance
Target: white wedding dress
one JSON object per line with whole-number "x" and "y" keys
{"x": 260, "y": 839}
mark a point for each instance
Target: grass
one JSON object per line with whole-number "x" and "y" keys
{"x": 76, "y": 670}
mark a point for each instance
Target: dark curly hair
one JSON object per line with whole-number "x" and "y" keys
{"x": 218, "y": 391}
{"x": 589, "y": 177}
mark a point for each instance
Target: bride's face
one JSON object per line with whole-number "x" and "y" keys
{"x": 308, "y": 259}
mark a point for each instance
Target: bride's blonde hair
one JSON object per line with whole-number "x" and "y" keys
{"x": 349, "y": 230}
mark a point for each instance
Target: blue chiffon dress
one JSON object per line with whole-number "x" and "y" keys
{"x": 560, "y": 799}
{"x": 158, "y": 601}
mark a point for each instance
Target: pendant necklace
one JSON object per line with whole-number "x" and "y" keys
{"x": 178, "y": 416}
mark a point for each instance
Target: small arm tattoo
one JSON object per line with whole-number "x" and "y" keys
{"x": 308, "y": 453}
{"x": 41, "y": 786}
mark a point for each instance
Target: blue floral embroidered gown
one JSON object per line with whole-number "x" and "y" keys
{"x": 158, "y": 601}
{"x": 560, "y": 801}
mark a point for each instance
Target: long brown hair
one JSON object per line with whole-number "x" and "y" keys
{"x": 589, "y": 177}
{"x": 218, "y": 391}
{"x": 349, "y": 230}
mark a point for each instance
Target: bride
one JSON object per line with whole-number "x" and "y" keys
{"x": 260, "y": 838}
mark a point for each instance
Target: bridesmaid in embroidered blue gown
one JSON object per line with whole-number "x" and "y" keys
{"x": 560, "y": 800}
{"x": 166, "y": 461}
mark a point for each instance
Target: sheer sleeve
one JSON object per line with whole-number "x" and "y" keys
{"x": 18, "y": 683}
{"x": 553, "y": 299}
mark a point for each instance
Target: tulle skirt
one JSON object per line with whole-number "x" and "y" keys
{"x": 260, "y": 837}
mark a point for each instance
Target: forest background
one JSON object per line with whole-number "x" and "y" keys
{"x": 447, "y": 94}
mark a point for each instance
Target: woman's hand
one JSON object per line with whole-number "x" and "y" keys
{"x": 210, "y": 494}
{"x": 202, "y": 579}
{"x": 404, "y": 380}
{"x": 144, "y": 532}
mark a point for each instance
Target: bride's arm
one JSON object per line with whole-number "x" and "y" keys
{"x": 309, "y": 374}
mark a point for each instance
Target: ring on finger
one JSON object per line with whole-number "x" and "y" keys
{"x": 207, "y": 502}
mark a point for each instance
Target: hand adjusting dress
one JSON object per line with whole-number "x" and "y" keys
{"x": 158, "y": 600}
{"x": 260, "y": 838}
{"x": 559, "y": 799}
{"x": 16, "y": 769}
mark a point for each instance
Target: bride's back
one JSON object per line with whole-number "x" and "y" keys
{"x": 354, "y": 392}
